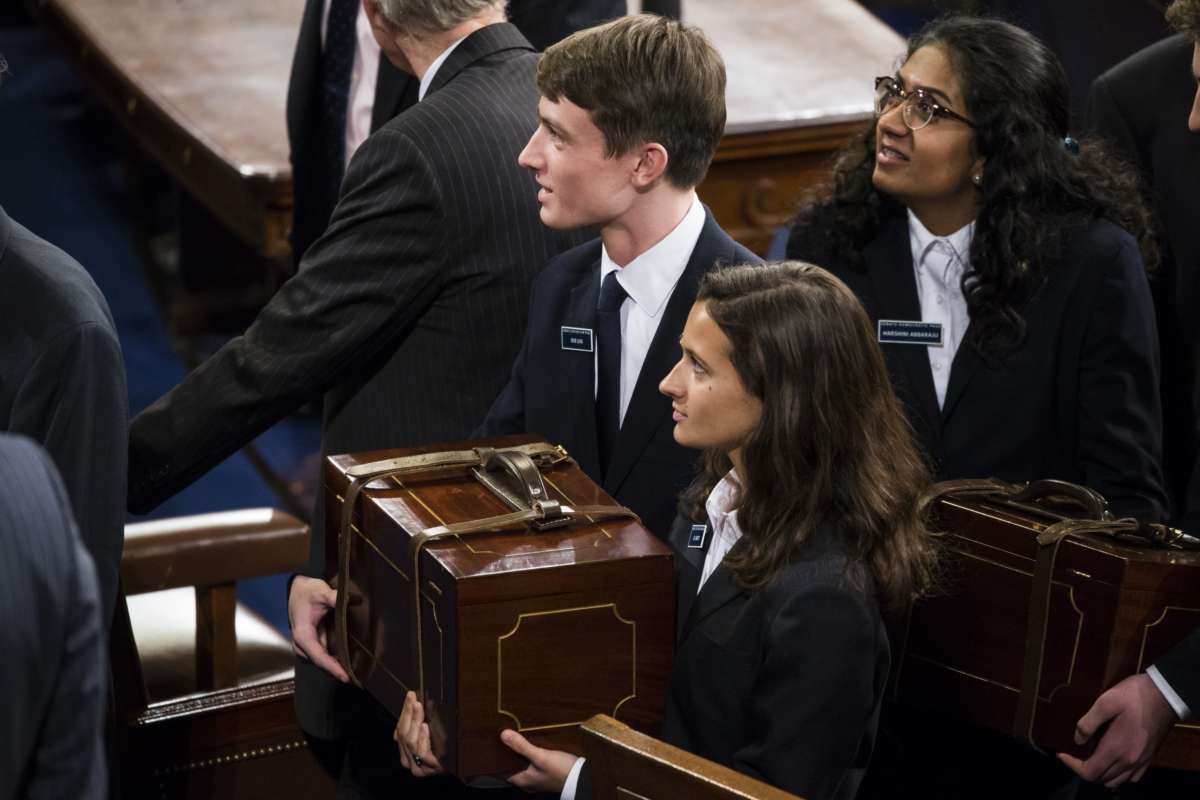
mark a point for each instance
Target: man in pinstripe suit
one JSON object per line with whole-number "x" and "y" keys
{"x": 405, "y": 314}
{"x": 53, "y": 677}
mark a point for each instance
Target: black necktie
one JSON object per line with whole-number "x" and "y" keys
{"x": 337, "y": 62}
{"x": 608, "y": 366}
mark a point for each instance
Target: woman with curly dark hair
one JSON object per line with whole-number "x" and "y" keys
{"x": 998, "y": 258}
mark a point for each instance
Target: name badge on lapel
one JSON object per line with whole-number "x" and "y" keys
{"x": 577, "y": 339}
{"x": 903, "y": 331}
{"x": 696, "y": 539}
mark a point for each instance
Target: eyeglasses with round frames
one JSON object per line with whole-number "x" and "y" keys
{"x": 918, "y": 109}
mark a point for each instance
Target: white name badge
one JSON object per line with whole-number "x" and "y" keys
{"x": 903, "y": 331}
{"x": 579, "y": 339}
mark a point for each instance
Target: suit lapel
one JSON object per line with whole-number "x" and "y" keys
{"x": 579, "y": 368}
{"x": 718, "y": 591}
{"x": 484, "y": 42}
{"x": 649, "y": 408}
{"x": 966, "y": 362}
{"x": 889, "y": 264}
{"x": 689, "y": 566}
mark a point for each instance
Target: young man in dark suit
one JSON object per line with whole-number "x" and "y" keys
{"x": 1138, "y": 713}
{"x": 404, "y": 314}
{"x": 631, "y": 115}
{"x": 341, "y": 91}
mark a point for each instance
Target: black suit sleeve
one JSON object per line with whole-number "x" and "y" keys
{"x": 73, "y": 402}
{"x": 1120, "y": 418}
{"x": 358, "y": 293}
{"x": 583, "y": 788}
{"x": 815, "y": 694}
{"x": 1181, "y": 667}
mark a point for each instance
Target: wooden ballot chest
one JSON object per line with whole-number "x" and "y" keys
{"x": 1043, "y": 607}
{"x": 532, "y": 620}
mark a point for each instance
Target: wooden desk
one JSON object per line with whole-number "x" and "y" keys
{"x": 200, "y": 85}
{"x": 800, "y": 85}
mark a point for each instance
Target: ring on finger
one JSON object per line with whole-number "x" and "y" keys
{"x": 420, "y": 762}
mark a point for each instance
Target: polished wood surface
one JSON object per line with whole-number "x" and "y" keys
{"x": 535, "y": 631}
{"x": 1114, "y": 608}
{"x": 221, "y": 547}
{"x": 625, "y": 763}
{"x": 800, "y": 85}
{"x": 240, "y": 742}
{"x": 201, "y": 87}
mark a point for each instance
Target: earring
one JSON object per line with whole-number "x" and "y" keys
{"x": 977, "y": 179}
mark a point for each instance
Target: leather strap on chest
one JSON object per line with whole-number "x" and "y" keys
{"x": 524, "y": 462}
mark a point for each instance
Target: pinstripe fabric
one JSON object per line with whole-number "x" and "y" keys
{"x": 406, "y": 314}
{"x": 53, "y": 673}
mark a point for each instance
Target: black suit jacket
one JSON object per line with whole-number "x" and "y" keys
{"x": 1141, "y": 105}
{"x": 1181, "y": 668}
{"x": 54, "y": 674}
{"x": 784, "y": 683}
{"x": 1077, "y": 401}
{"x": 312, "y": 205}
{"x": 551, "y": 390}
{"x": 543, "y": 22}
{"x": 62, "y": 383}
{"x": 406, "y": 313}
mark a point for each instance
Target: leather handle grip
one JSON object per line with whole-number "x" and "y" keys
{"x": 521, "y": 467}
{"x": 1091, "y": 501}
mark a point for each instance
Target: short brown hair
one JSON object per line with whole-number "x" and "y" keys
{"x": 1184, "y": 16}
{"x": 644, "y": 79}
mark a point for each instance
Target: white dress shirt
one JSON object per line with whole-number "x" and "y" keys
{"x": 363, "y": 76}
{"x": 939, "y": 263}
{"x": 649, "y": 281}
{"x": 723, "y": 518}
{"x": 725, "y": 534}
{"x": 1172, "y": 697}
{"x": 430, "y": 73}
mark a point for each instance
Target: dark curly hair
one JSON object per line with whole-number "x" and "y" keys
{"x": 1184, "y": 16}
{"x": 1035, "y": 188}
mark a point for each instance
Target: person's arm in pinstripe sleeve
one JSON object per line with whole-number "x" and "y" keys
{"x": 358, "y": 292}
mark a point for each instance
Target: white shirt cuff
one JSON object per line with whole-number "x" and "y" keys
{"x": 1175, "y": 701}
{"x": 568, "y": 790}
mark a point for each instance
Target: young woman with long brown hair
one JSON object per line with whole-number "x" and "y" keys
{"x": 802, "y": 528}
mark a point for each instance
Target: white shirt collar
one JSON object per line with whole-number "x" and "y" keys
{"x": 428, "y": 77}
{"x": 721, "y": 499}
{"x": 923, "y": 241}
{"x": 725, "y": 529}
{"x": 650, "y": 278}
